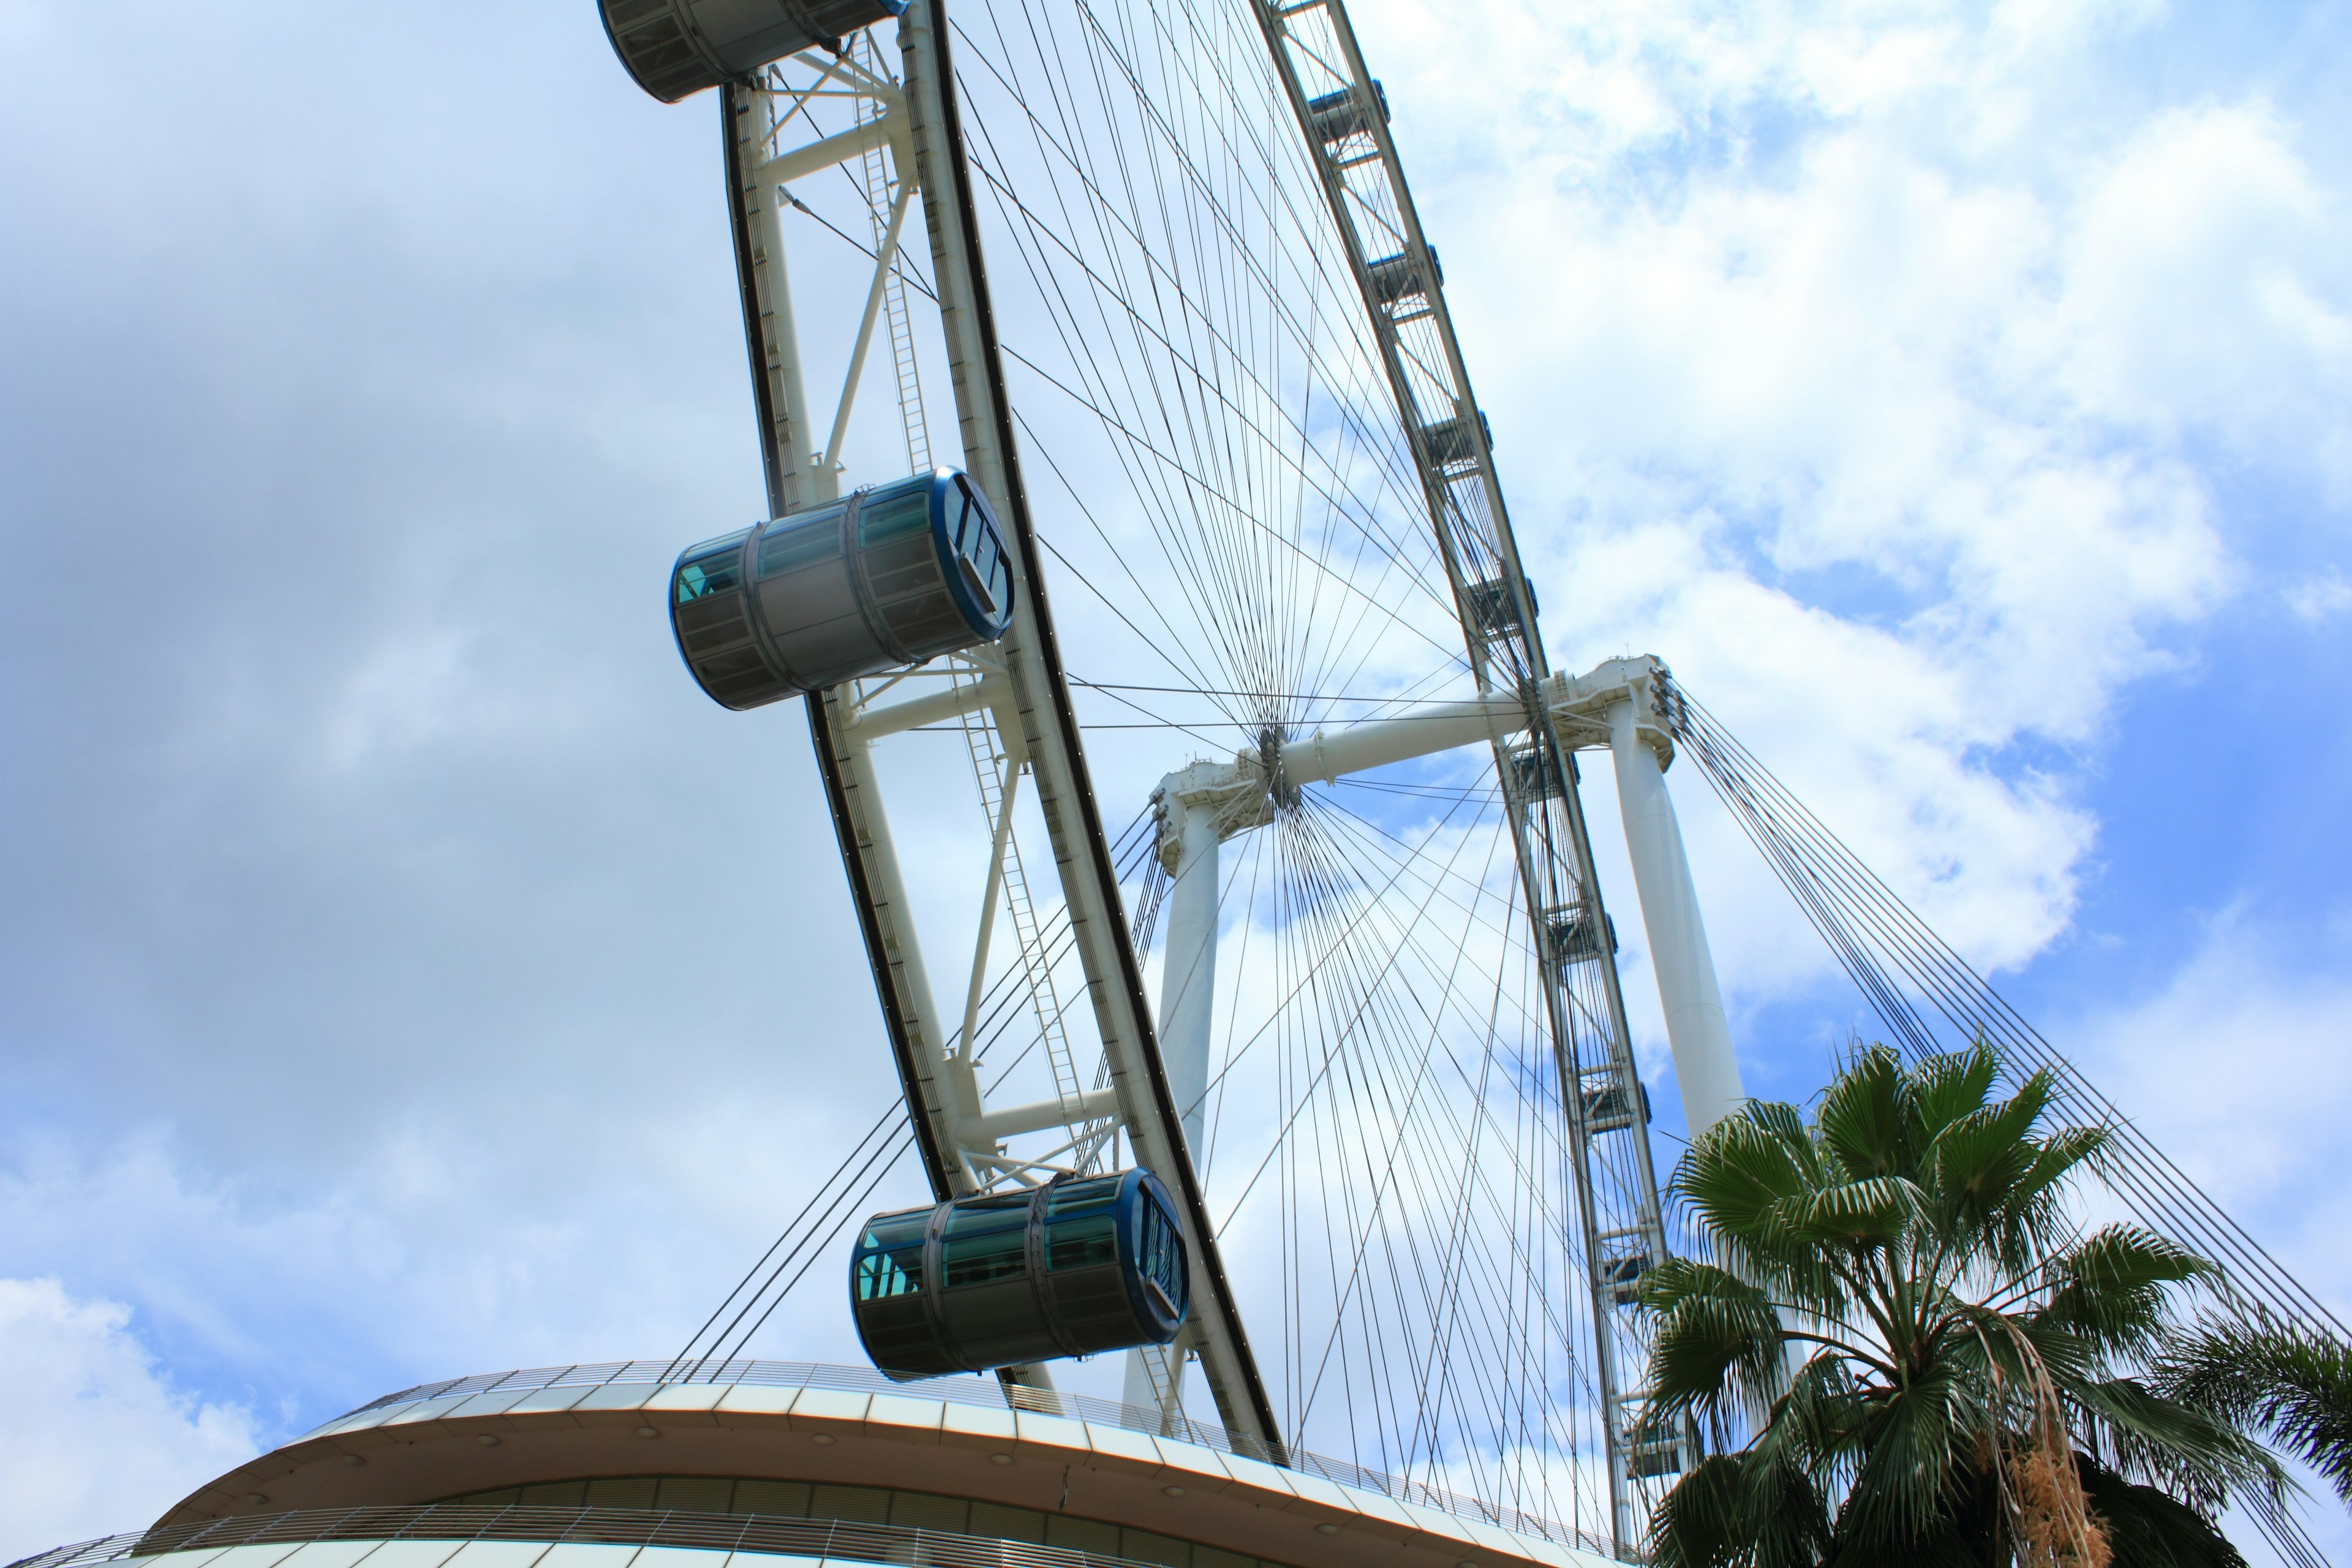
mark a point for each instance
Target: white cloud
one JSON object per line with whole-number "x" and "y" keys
{"x": 1868, "y": 350}
{"x": 2203, "y": 289}
{"x": 2239, "y": 1070}
{"x": 2319, "y": 597}
{"x": 99, "y": 1437}
{"x": 431, "y": 1253}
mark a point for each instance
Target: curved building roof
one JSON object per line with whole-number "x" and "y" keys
{"x": 779, "y": 1460}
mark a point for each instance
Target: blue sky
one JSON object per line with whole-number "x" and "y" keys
{"x": 1959, "y": 398}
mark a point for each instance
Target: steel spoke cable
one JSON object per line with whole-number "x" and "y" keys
{"x": 1969, "y": 1002}
{"x": 1456, "y": 1146}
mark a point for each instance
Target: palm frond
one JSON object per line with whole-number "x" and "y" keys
{"x": 1914, "y": 1240}
{"x": 1740, "y": 1511}
{"x": 2113, "y": 1287}
{"x": 1716, "y": 1351}
{"x": 1904, "y": 1482}
{"x": 1943, "y": 1089}
{"x": 2267, "y": 1376}
{"x": 1861, "y": 1124}
{"x": 2145, "y": 1434}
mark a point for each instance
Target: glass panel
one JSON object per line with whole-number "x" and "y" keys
{"x": 885, "y": 1274}
{"x": 1078, "y": 1195}
{"x": 1001, "y": 1522}
{"x": 988, "y": 1213}
{"x": 921, "y": 1510}
{"x": 816, "y": 538}
{"x": 713, "y": 571}
{"x": 1082, "y": 1241}
{"x": 984, "y": 1258}
{"x": 1142, "y": 1546}
{"x": 1163, "y": 1252}
{"x": 881, "y": 518}
{"x": 897, "y": 1229}
{"x": 724, "y": 542}
{"x": 699, "y": 1494}
{"x": 788, "y": 1498}
{"x": 1082, "y": 1535}
{"x": 860, "y": 1505}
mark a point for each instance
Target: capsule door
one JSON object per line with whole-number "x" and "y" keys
{"x": 987, "y": 1299}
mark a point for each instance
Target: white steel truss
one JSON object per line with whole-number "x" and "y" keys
{"x": 1343, "y": 113}
{"x": 1013, "y": 699}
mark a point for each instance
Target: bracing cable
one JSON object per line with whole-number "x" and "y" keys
{"x": 1912, "y": 977}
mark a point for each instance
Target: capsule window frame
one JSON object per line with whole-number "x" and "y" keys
{"x": 698, "y": 558}
{"x": 973, "y": 584}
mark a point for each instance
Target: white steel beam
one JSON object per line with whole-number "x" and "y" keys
{"x": 966, "y": 1051}
{"x": 883, "y": 259}
{"x": 1614, "y": 705}
{"x": 1186, "y": 1004}
{"x": 818, "y": 156}
{"x": 1187, "y": 984}
{"x": 984, "y": 1131}
{"x": 964, "y": 697}
{"x": 1327, "y": 757}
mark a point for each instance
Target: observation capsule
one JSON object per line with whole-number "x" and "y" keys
{"x": 1397, "y": 277}
{"x": 882, "y": 579}
{"x": 1336, "y": 116}
{"x": 673, "y": 48}
{"x": 1077, "y": 1266}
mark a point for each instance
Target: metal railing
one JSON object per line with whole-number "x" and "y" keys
{"x": 816, "y": 1538}
{"x": 988, "y": 1394}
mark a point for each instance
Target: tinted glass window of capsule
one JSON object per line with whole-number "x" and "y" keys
{"x": 987, "y": 1240}
{"x": 898, "y": 1270}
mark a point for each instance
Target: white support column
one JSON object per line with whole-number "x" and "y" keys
{"x": 1188, "y": 986}
{"x": 1697, "y": 1028}
{"x": 1188, "y": 989}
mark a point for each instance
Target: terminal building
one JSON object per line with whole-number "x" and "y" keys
{"x": 630, "y": 1465}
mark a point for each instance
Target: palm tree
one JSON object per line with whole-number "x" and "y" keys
{"x": 2259, "y": 1374}
{"x": 1927, "y": 1363}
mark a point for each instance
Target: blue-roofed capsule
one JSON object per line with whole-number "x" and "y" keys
{"x": 885, "y": 578}
{"x": 1078, "y": 1266}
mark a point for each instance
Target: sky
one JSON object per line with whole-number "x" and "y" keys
{"x": 403, "y": 975}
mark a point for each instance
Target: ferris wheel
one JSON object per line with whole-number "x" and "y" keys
{"x": 1254, "y": 680}
{"x": 1211, "y": 820}
{"x": 1210, "y": 807}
